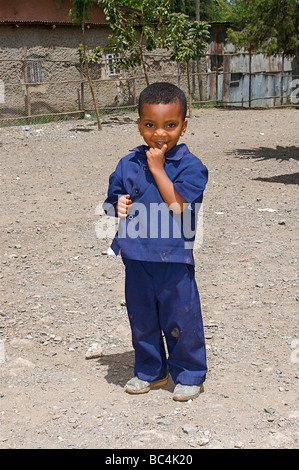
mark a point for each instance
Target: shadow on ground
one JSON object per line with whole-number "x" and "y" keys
{"x": 121, "y": 369}
{"x": 280, "y": 153}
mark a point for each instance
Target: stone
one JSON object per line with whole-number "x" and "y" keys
{"x": 203, "y": 441}
{"x": 189, "y": 429}
{"x": 94, "y": 351}
{"x": 164, "y": 421}
{"x": 21, "y": 343}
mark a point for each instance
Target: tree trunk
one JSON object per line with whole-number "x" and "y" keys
{"x": 189, "y": 90}
{"x": 197, "y": 9}
{"x": 27, "y": 89}
{"x": 200, "y": 94}
{"x": 89, "y": 77}
{"x": 142, "y": 60}
{"x": 297, "y": 57}
{"x": 144, "y": 67}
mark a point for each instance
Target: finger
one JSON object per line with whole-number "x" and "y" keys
{"x": 122, "y": 211}
{"x": 164, "y": 148}
{"x": 149, "y": 152}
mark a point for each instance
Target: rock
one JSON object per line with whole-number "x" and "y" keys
{"x": 203, "y": 441}
{"x": 164, "y": 421}
{"x": 270, "y": 411}
{"x": 21, "y": 343}
{"x": 20, "y": 365}
{"x": 189, "y": 429}
{"x": 94, "y": 351}
{"x": 238, "y": 445}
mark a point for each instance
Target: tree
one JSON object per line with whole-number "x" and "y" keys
{"x": 79, "y": 14}
{"x": 210, "y": 10}
{"x": 271, "y": 26}
{"x": 215, "y": 10}
{"x": 187, "y": 40}
{"x": 134, "y": 33}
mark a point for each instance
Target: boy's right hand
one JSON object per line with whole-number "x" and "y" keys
{"x": 123, "y": 205}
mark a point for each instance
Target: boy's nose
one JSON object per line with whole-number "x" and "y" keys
{"x": 160, "y": 131}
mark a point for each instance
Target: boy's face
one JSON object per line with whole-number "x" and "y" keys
{"x": 161, "y": 124}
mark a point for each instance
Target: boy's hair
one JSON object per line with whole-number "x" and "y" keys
{"x": 163, "y": 92}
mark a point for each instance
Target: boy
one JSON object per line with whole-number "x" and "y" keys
{"x": 156, "y": 191}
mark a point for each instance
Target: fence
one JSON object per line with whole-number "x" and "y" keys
{"x": 40, "y": 90}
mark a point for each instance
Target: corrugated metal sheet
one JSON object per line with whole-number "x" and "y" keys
{"x": 231, "y": 82}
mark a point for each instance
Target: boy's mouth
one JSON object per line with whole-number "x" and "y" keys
{"x": 159, "y": 145}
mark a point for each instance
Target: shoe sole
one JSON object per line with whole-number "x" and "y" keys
{"x": 156, "y": 383}
{"x": 191, "y": 397}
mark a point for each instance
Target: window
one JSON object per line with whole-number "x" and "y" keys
{"x": 34, "y": 72}
{"x": 235, "y": 79}
{"x": 216, "y": 62}
{"x": 110, "y": 62}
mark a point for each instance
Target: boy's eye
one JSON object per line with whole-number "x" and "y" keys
{"x": 171, "y": 125}
{"x": 148, "y": 124}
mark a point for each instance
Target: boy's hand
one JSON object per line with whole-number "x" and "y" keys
{"x": 156, "y": 161}
{"x": 156, "y": 158}
{"x": 123, "y": 205}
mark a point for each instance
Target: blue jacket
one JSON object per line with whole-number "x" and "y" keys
{"x": 151, "y": 231}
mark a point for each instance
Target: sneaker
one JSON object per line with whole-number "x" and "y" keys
{"x": 136, "y": 385}
{"x": 187, "y": 392}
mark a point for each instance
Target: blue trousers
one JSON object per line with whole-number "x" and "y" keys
{"x": 163, "y": 297}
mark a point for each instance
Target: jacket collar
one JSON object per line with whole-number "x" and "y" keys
{"x": 176, "y": 153}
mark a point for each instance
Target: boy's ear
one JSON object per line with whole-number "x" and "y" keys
{"x": 184, "y": 127}
{"x": 138, "y": 122}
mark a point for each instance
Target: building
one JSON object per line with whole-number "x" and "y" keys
{"x": 39, "y": 63}
{"x": 243, "y": 79}
{"x": 40, "y": 71}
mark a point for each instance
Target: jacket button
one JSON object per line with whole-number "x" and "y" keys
{"x": 136, "y": 190}
{"x": 145, "y": 168}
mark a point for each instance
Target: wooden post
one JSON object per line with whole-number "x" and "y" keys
{"x": 85, "y": 60}
{"x": 281, "y": 80}
{"x": 134, "y": 91}
{"x": 199, "y": 79}
{"x": 189, "y": 90}
{"x": 82, "y": 104}
{"x": 249, "y": 91}
{"x": 27, "y": 88}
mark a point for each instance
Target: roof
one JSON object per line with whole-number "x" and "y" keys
{"x": 45, "y": 12}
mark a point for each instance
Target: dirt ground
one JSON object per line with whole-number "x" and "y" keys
{"x": 61, "y": 292}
